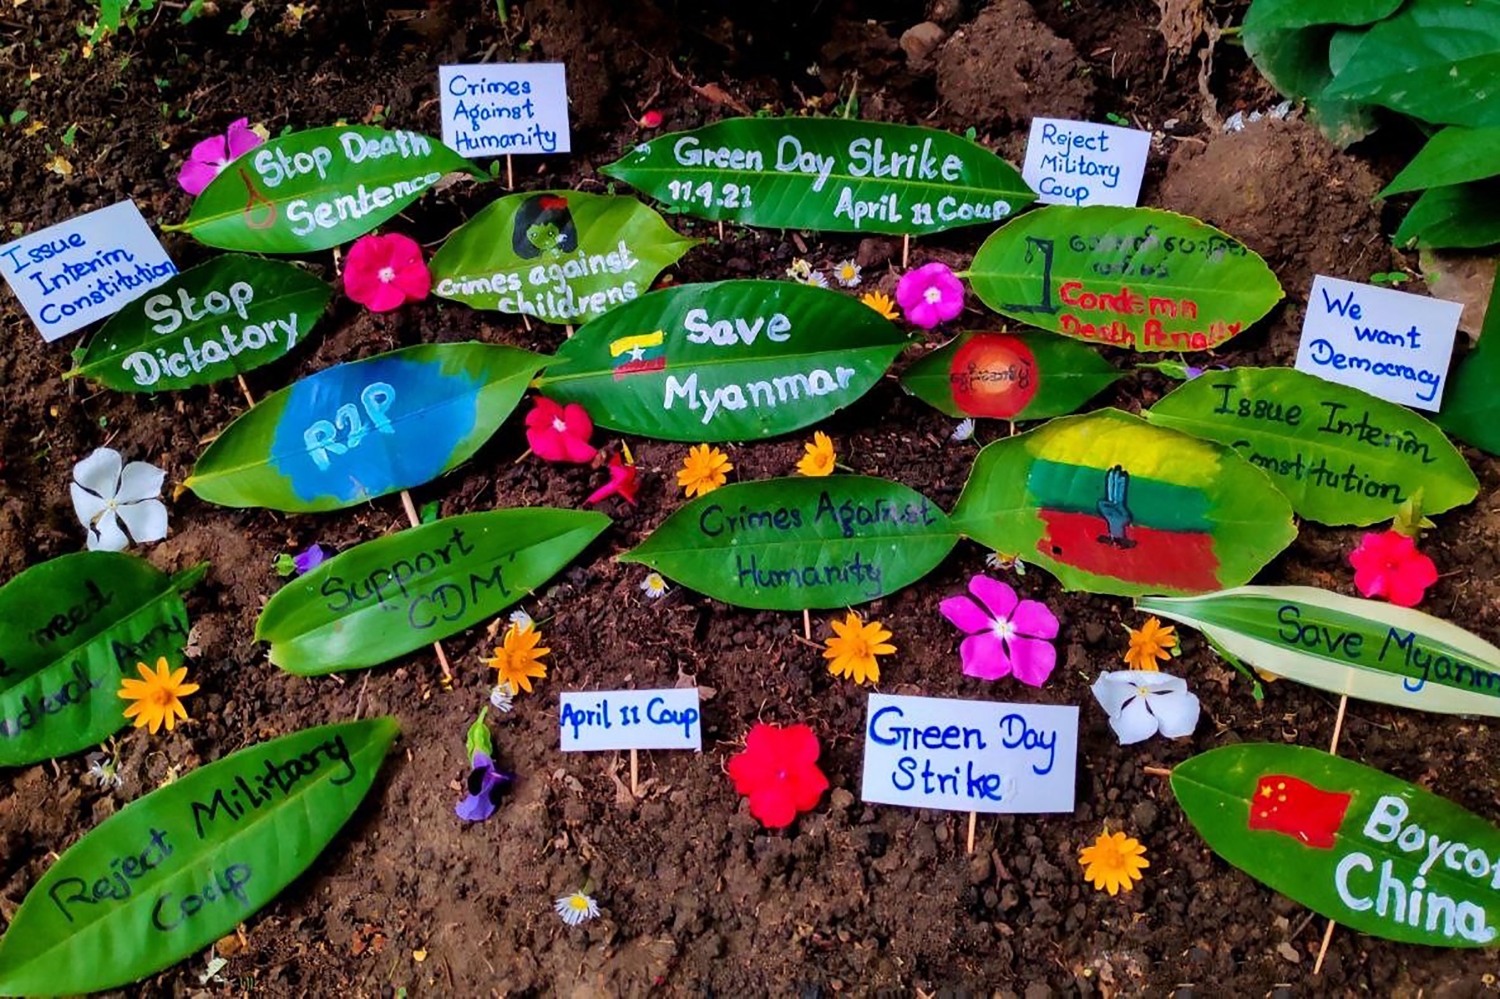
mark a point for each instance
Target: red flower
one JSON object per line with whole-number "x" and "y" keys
{"x": 385, "y": 272}
{"x": 651, "y": 119}
{"x": 622, "y": 482}
{"x": 558, "y": 433}
{"x": 1388, "y": 565}
{"x": 778, "y": 771}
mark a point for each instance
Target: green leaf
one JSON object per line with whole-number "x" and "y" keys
{"x": 801, "y": 543}
{"x": 1348, "y": 841}
{"x": 1471, "y": 404}
{"x": 734, "y": 360}
{"x": 1460, "y": 216}
{"x": 316, "y": 189}
{"x": 402, "y": 592}
{"x": 828, "y": 174}
{"x": 1340, "y": 455}
{"x": 1010, "y": 376}
{"x": 176, "y": 870}
{"x": 225, "y": 317}
{"x": 366, "y": 428}
{"x": 1110, "y": 504}
{"x": 1368, "y": 649}
{"x": 1452, "y": 156}
{"x": 562, "y": 256}
{"x": 1129, "y": 277}
{"x": 1299, "y": 47}
{"x": 68, "y": 628}
{"x": 1428, "y": 60}
{"x": 1300, "y": 14}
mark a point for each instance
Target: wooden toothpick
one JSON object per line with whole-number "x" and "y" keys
{"x": 973, "y": 818}
{"x": 1333, "y": 748}
{"x": 411, "y": 516}
{"x": 249, "y": 399}
{"x": 635, "y": 764}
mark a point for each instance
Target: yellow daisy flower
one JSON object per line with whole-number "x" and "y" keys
{"x": 518, "y": 660}
{"x": 1114, "y": 862}
{"x": 853, "y": 650}
{"x": 1149, "y": 643}
{"x": 703, "y": 470}
{"x": 881, "y": 303}
{"x": 819, "y": 459}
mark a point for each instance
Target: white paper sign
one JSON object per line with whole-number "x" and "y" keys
{"x": 1389, "y": 343}
{"x": 1080, "y": 163}
{"x": 505, "y": 108}
{"x": 84, "y": 269}
{"x": 630, "y": 719}
{"x": 970, "y": 756}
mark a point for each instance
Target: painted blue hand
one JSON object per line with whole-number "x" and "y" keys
{"x": 1115, "y": 509}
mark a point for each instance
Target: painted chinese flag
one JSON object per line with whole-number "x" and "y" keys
{"x": 1287, "y": 805}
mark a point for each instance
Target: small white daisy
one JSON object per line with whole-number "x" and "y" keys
{"x": 502, "y": 698}
{"x": 963, "y": 431}
{"x": 104, "y": 771}
{"x": 576, "y": 909}
{"x": 816, "y": 279}
{"x": 800, "y": 270}
{"x": 521, "y": 619}
{"x": 654, "y": 586}
{"x": 846, "y": 272}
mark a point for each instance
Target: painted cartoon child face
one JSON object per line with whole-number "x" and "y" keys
{"x": 545, "y": 236}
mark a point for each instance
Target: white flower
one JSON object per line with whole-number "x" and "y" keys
{"x": 846, "y": 272}
{"x": 816, "y": 279}
{"x": 502, "y": 698}
{"x": 104, "y": 495}
{"x": 1141, "y": 703}
{"x": 800, "y": 270}
{"x": 521, "y": 620}
{"x": 654, "y": 586}
{"x": 576, "y": 909}
{"x": 104, "y": 771}
{"x": 963, "y": 431}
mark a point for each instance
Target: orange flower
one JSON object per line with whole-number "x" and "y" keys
{"x": 1114, "y": 862}
{"x": 853, "y": 650}
{"x": 881, "y": 303}
{"x": 1149, "y": 643}
{"x": 518, "y": 660}
{"x": 703, "y": 470}
{"x": 156, "y": 698}
{"x": 819, "y": 459}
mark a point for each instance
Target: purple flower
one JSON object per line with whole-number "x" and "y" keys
{"x": 213, "y": 154}
{"x": 1006, "y": 635}
{"x": 929, "y": 295}
{"x": 486, "y": 785}
{"x": 310, "y": 559}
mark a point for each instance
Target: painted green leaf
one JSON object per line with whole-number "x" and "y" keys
{"x": 1129, "y": 277}
{"x": 561, "y": 256}
{"x": 221, "y": 318}
{"x": 828, "y": 174}
{"x": 1471, "y": 405}
{"x": 1368, "y": 649}
{"x": 318, "y": 188}
{"x": 1426, "y": 59}
{"x": 68, "y": 628}
{"x": 1356, "y": 845}
{"x": 176, "y": 870}
{"x": 1009, "y": 376}
{"x": 387, "y": 597}
{"x": 1340, "y": 455}
{"x": 363, "y": 429}
{"x": 1108, "y": 503}
{"x": 1457, "y": 217}
{"x": 733, "y": 360}
{"x": 801, "y": 543}
{"x": 1452, "y": 156}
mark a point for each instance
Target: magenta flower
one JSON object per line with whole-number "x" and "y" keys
{"x": 385, "y": 272}
{"x": 929, "y": 295}
{"x": 1007, "y": 635}
{"x": 213, "y": 154}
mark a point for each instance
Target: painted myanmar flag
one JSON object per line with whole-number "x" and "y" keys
{"x": 634, "y": 355}
{"x": 1120, "y": 500}
{"x": 1295, "y": 808}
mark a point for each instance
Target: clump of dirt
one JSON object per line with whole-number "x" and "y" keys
{"x": 1288, "y": 194}
{"x": 1006, "y": 67}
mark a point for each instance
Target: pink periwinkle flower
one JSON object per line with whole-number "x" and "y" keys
{"x": 213, "y": 154}
{"x": 1007, "y": 635}
{"x": 929, "y": 295}
{"x": 385, "y": 272}
{"x": 1388, "y": 565}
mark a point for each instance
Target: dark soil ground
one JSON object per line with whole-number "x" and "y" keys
{"x": 697, "y": 898}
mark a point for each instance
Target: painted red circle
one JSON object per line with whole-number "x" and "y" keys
{"x": 993, "y": 374}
